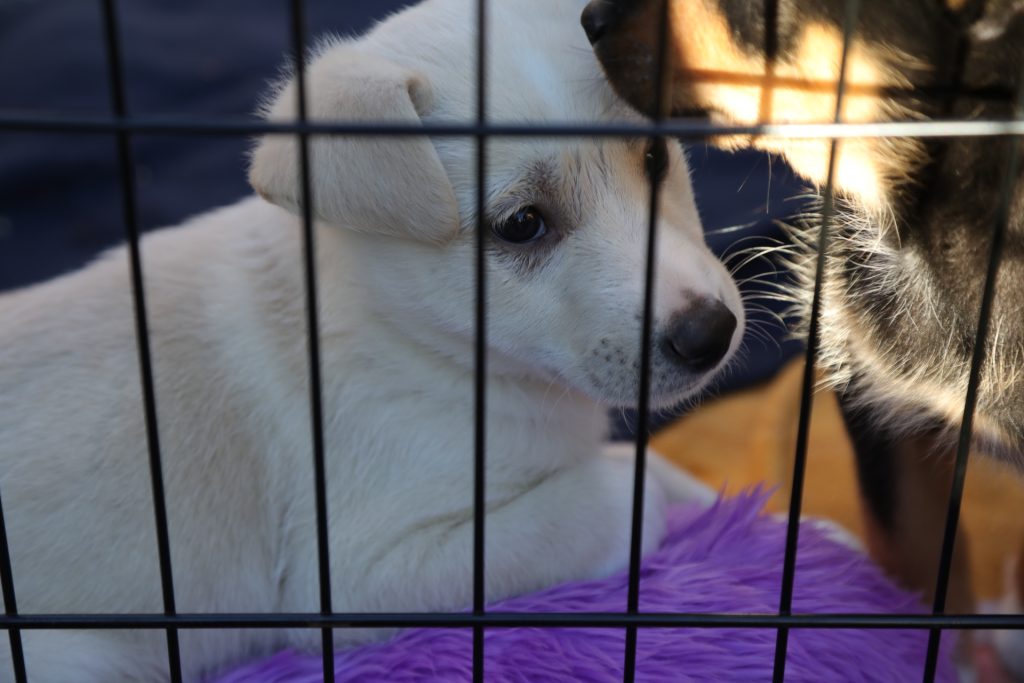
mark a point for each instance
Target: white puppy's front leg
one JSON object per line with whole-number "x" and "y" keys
{"x": 573, "y": 525}
{"x": 678, "y": 485}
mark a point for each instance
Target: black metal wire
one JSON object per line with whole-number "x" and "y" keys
{"x": 10, "y": 603}
{"x": 480, "y": 350}
{"x": 298, "y": 37}
{"x": 126, "y": 169}
{"x": 614, "y": 620}
{"x": 807, "y": 385}
{"x": 963, "y": 448}
{"x": 771, "y": 54}
{"x": 680, "y": 128}
{"x": 643, "y": 400}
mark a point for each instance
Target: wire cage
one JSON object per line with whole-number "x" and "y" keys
{"x": 121, "y": 126}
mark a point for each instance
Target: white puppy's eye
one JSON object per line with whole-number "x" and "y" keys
{"x": 524, "y": 226}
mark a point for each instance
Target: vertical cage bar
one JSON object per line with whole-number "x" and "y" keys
{"x": 771, "y": 53}
{"x": 298, "y": 37}
{"x": 643, "y": 399}
{"x": 480, "y": 354}
{"x": 126, "y": 168}
{"x": 971, "y": 399}
{"x": 10, "y": 602}
{"x": 807, "y": 384}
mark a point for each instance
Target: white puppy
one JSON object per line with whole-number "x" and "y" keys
{"x": 395, "y": 257}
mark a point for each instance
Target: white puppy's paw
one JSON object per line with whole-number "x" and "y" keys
{"x": 834, "y": 531}
{"x": 677, "y": 485}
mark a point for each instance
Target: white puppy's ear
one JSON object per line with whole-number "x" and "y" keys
{"x": 395, "y": 186}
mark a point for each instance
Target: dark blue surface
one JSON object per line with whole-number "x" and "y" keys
{"x": 59, "y": 195}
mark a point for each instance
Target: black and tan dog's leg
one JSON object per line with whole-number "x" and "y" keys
{"x": 905, "y": 484}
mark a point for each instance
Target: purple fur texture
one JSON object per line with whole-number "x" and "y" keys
{"x": 726, "y": 559}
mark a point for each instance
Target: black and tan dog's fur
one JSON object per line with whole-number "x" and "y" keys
{"x": 906, "y": 263}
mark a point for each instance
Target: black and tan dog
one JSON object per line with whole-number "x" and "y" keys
{"x": 906, "y": 264}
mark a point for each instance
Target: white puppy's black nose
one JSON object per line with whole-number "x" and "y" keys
{"x": 598, "y": 17}
{"x": 700, "y": 337}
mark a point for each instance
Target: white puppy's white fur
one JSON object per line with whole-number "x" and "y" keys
{"x": 395, "y": 257}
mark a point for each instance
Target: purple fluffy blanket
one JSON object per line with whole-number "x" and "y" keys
{"x": 726, "y": 559}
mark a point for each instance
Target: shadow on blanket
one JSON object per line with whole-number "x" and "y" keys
{"x": 726, "y": 559}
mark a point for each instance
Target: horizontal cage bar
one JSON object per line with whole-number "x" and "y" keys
{"x": 672, "y": 128}
{"x": 511, "y": 620}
